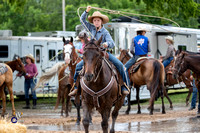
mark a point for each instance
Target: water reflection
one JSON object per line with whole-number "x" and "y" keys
{"x": 188, "y": 124}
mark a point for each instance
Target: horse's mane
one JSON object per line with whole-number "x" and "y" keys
{"x": 192, "y": 52}
{"x": 127, "y": 53}
{"x": 189, "y": 52}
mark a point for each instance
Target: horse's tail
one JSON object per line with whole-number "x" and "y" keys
{"x": 158, "y": 78}
{"x": 51, "y": 73}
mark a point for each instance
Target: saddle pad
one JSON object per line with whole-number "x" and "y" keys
{"x": 3, "y": 68}
{"x": 141, "y": 58}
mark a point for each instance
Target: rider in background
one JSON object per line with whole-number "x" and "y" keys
{"x": 97, "y": 30}
{"x": 139, "y": 47}
{"x": 170, "y": 51}
{"x": 81, "y": 44}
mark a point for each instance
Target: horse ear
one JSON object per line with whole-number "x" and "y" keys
{"x": 127, "y": 50}
{"x": 63, "y": 39}
{"x": 120, "y": 49}
{"x": 99, "y": 41}
{"x": 71, "y": 39}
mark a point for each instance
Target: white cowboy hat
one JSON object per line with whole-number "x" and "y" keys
{"x": 170, "y": 38}
{"x": 141, "y": 29}
{"x": 77, "y": 38}
{"x": 99, "y": 15}
{"x": 31, "y": 57}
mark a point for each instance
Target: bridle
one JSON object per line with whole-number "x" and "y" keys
{"x": 124, "y": 57}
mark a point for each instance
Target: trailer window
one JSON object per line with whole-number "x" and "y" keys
{"x": 52, "y": 54}
{"x": 182, "y": 47}
{"x": 60, "y": 55}
{"x": 4, "y": 51}
{"x": 37, "y": 56}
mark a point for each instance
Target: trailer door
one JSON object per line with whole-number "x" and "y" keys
{"x": 162, "y": 45}
{"x": 52, "y": 48}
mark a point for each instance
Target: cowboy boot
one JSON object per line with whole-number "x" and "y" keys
{"x": 125, "y": 89}
{"x": 75, "y": 90}
{"x": 34, "y": 103}
{"x": 27, "y": 104}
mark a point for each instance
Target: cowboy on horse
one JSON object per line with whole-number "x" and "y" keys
{"x": 97, "y": 30}
{"x": 170, "y": 51}
{"x": 139, "y": 48}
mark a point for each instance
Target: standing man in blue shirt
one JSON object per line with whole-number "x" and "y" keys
{"x": 139, "y": 48}
{"x": 95, "y": 26}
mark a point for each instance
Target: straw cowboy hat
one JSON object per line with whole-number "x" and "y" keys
{"x": 31, "y": 57}
{"x": 170, "y": 38}
{"x": 99, "y": 15}
{"x": 141, "y": 29}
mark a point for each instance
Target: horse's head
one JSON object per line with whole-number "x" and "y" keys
{"x": 124, "y": 55}
{"x": 92, "y": 58}
{"x": 19, "y": 66}
{"x": 68, "y": 49}
{"x": 179, "y": 66}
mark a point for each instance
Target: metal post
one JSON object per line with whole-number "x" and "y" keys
{"x": 63, "y": 14}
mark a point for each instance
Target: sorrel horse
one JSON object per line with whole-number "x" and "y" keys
{"x": 188, "y": 60}
{"x": 150, "y": 73}
{"x": 100, "y": 88}
{"x": 65, "y": 80}
{"x": 7, "y": 81}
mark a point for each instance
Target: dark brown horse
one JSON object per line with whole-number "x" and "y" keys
{"x": 100, "y": 88}
{"x": 7, "y": 81}
{"x": 185, "y": 77}
{"x": 188, "y": 60}
{"x": 150, "y": 73}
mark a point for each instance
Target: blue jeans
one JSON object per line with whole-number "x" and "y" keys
{"x": 167, "y": 61}
{"x": 129, "y": 63}
{"x": 29, "y": 84}
{"x": 118, "y": 64}
{"x": 194, "y": 96}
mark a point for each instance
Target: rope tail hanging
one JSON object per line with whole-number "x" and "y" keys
{"x": 125, "y": 14}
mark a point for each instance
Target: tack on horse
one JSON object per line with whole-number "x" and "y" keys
{"x": 6, "y": 80}
{"x": 99, "y": 87}
{"x": 150, "y": 73}
{"x": 188, "y": 60}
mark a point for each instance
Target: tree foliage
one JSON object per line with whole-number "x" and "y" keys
{"x": 46, "y": 15}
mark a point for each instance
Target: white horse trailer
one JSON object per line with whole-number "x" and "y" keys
{"x": 42, "y": 48}
{"x": 123, "y": 32}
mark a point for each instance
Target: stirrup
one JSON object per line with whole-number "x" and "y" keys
{"x": 127, "y": 87}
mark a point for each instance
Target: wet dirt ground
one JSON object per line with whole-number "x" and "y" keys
{"x": 47, "y": 120}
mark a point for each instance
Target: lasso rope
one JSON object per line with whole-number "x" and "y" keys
{"x": 125, "y": 14}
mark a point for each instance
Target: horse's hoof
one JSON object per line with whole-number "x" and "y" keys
{"x": 139, "y": 112}
{"x": 112, "y": 130}
{"x": 163, "y": 112}
{"x": 151, "y": 113}
{"x": 171, "y": 107}
{"x": 127, "y": 112}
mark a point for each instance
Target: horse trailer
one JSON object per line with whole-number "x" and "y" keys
{"x": 44, "y": 49}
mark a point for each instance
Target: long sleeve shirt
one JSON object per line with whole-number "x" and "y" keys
{"x": 170, "y": 52}
{"x": 82, "y": 49}
{"x": 106, "y": 35}
{"x": 31, "y": 70}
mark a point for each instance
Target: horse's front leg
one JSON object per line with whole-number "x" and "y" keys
{"x": 78, "y": 106}
{"x": 105, "y": 114}
{"x": 138, "y": 99}
{"x": 10, "y": 89}
{"x": 115, "y": 112}
{"x": 86, "y": 116}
